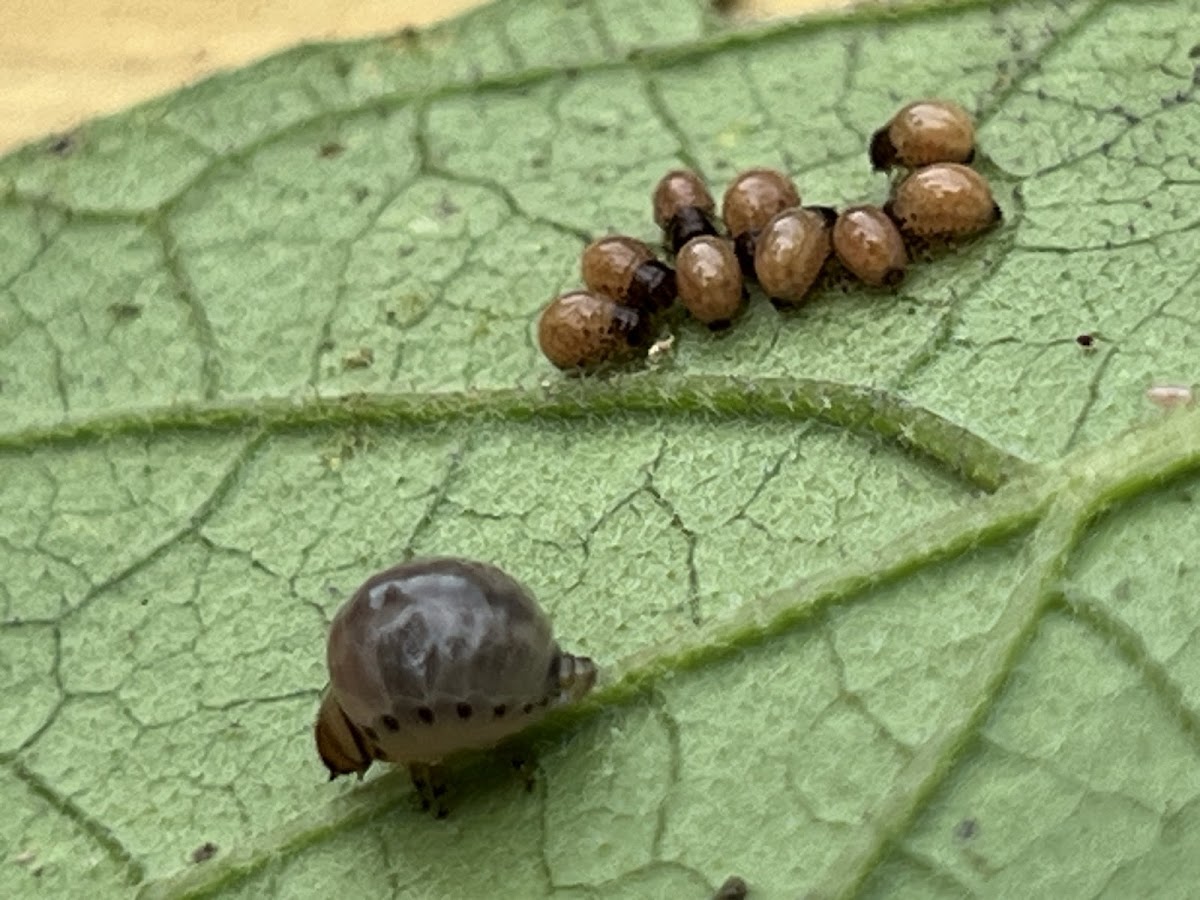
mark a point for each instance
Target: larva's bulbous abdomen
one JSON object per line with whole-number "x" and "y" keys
{"x": 438, "y": 656}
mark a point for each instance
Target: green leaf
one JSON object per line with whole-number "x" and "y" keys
{"x": 893, "y": 596}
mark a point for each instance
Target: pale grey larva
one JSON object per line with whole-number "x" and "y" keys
{"x": 1171, "y": 396}
{"x": 437, "y": 656}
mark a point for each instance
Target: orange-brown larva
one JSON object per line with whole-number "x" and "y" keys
{"x": 750, "y": 201}
{"x": 709, "y": 279}
{"x": 922, "y": 133}
{"x": 791, "y": 250}
{"x": 683, "y": 207}
{"x": 870, "y": 246}
{"x": 581, "y": 330}
{"x": 625, "y": 269}
{"x": 945, "y": 200}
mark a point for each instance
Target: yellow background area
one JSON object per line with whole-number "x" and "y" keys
{"x": 64, "y": 61}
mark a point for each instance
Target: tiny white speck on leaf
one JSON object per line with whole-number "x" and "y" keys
{"x": 661, "y": 348}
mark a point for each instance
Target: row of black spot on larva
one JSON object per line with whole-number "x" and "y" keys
{"x": 771, "y": 238}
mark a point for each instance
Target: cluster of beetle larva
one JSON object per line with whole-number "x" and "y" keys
{"x": 771, "y": 238}
{"x": 438, "y": 656}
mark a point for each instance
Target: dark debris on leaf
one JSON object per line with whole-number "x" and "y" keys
{"x": 204, "y": 852}
{"x": 966, "y": 829}
{"x": 62, "y": 145}
{"x": 734, "y": 888}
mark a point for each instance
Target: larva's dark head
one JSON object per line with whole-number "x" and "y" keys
{"x": 882, "y": 151}
{"x": 572, "y": 677}
{"x": 340, "y": 744}
{"x": 827, "y": 213}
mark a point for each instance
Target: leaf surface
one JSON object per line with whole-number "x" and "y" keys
{"x": 893, "y": 596}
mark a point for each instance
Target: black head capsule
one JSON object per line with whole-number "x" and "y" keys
{"x": 683, "y": 208}
{"x": 652, "y": 286}
{"x": 743, "y": 249}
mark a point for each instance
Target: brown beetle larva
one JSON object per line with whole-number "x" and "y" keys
{"x": 626, "y": 269}
{"x": 870, "y": 246}
{"x": 922, "y": 133}
{"x": 945, "y": 200}
{"x": 709, "y": 279}
{"x": 791, "y": 250}
{"x": 580, "y": 330}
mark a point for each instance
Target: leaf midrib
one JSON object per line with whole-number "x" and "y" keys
{"x": 866, "y": 410}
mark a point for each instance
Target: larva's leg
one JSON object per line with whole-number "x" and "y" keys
{"x": 437, "y": 787}
{"x": 419, "y": 773}
{"x": 525, "y": 766}
{"x": 430, "y": 784}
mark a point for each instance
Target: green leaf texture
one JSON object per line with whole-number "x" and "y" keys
{"x": 894, "y": 596}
